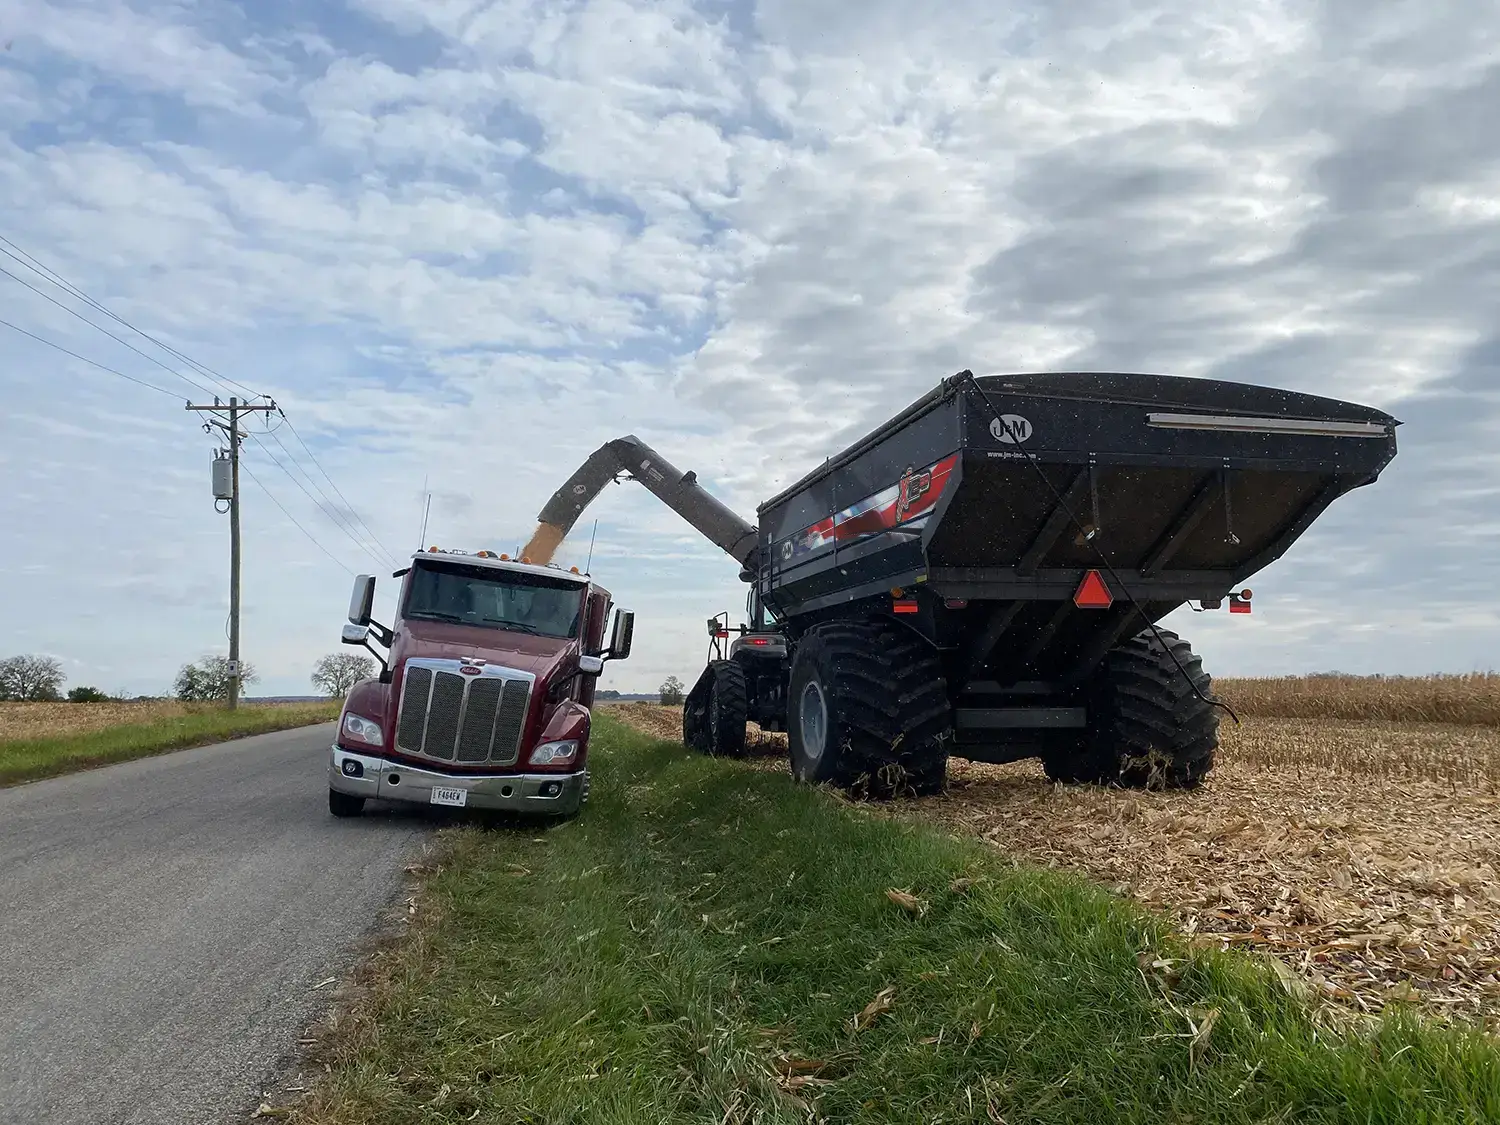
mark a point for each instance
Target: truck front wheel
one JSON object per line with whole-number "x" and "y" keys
{"x": 345, "y": 804}
{"x": 868, "y": 711}
{"x": 1147, "y": 726}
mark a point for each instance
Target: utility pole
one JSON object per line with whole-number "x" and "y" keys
{"x": 227, "y": 419}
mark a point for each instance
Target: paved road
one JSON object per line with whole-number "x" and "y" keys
{"x": 163, "y": 924}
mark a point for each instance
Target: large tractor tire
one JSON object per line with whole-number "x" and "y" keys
{"x": 868, "y": 711}
{"x": 1147, "y": 727}
{"x": 716, "y": 710}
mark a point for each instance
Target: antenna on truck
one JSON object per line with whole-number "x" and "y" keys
{"x": 593, "y": 533}
{"x": 1089, "y": 539}
{"x": 427, "y": 507}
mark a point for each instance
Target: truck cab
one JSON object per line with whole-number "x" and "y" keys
{"x": 484, "y": 699}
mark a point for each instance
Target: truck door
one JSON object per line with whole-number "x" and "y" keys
{"x": 596, "y": 614}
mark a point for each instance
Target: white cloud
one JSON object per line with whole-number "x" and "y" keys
{"x": 160, "y": 52}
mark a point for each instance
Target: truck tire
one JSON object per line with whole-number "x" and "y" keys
{"x": 1147, "y": 727}
{"x": 345, "y": 804}
{"x": 728, "y": 710}
{"x": 868, "y": 711}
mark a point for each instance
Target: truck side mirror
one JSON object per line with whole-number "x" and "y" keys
{"x": 622, "y": 634}
{"x": 355, "y": 634}
{"x": 590, "y": 665}
{"x": 362, "y": 601}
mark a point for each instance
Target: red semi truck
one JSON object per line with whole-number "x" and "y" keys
{"x": 484, "y": 700}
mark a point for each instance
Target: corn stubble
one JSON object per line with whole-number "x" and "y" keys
{"x": 1359, "y": 852}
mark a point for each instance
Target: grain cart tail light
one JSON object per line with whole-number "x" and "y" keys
{"x": 904, "y": 605}
{"x": 1239, "y": 603}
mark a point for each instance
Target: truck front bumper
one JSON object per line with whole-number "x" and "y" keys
{"x": 544, "y": 794}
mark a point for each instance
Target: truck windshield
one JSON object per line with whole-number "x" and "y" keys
{"x": 494, "y": 599}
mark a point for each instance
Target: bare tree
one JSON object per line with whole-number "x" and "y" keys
{"x": 31, "y": 679}
{"x": 207, "y": 679}
{"x": 336, "y": 674}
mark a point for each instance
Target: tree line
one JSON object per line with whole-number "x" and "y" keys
{"x": 33, "y": 678}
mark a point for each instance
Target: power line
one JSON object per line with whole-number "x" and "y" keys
{"x": 378, "y": 561}
{"x": 311, "y": 538}
{"x": 331, "y": 508}
{"x": 100, "y": 328}
{"x": 352, "y": 510}
{"x": 30, "y": 262}
{"x": 87, "y": 360}
{"x": 57, "y": 279}
{"x": 17, "y": 254}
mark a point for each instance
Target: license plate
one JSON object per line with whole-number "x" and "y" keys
{"x": 442, "y": 796}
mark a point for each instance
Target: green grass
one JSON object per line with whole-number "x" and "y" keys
{"x": 27, "y": 759}
{"x": 704, "y": 927}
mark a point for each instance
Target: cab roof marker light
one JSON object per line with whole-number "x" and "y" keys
{"x": 1231, "y": 423}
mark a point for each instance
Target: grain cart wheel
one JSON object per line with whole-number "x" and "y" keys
{"x": 728, "y": 710}
{"x": 715, "y": 711}
{"x": 868, "y": 710}
{"x": 695, "y": 714}
{"x": 1147, "y": 729}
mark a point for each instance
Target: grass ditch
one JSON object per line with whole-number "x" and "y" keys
{"x": 710, "y": 943}
{"x": 33, "y": 758}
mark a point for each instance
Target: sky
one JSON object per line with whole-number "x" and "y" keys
{"x": 462, "y": 243}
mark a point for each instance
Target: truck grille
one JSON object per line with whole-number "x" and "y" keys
{"x": 469, "y": 720}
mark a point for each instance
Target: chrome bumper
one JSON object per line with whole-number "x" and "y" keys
{"x": 546, "y": 794}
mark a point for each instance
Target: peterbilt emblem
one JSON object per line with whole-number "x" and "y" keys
{"x": 470, "y": 665}
{"x": 1010, "y": 429}
{"x": 468, "y": 669}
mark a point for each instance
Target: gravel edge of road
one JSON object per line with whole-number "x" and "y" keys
{"x": 332, "y": 1020}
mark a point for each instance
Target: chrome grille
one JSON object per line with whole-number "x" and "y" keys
{"x": 442, "y": 715}
{"x": 512, "y": 715}
{"x": 414, "y": 707}
{"x": 479, "y": 719}
{"x": 470, "y": 719}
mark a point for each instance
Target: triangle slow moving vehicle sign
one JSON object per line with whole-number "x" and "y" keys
{"x": 1092, "y": 593}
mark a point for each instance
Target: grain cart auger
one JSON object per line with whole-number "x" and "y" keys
{"x": 981, "y": 576}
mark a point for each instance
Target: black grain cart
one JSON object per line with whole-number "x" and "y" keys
{"x": 981, "y": 576}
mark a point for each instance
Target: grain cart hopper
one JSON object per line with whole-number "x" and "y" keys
{"x": 981, "y": 575}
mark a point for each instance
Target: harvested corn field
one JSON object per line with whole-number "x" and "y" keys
{"x": 1363, "y": 856}
{"x": 53, "y": 720}
{"x": 1472, "y": 699}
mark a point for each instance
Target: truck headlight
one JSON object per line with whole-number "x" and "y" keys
{"x": 363, "y": 729}
{"x": 555, "y": 753}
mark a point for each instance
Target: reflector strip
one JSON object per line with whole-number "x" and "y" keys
{"x": 904, "y": 607}
{"x": 1092, "y": 593}
{"x": 1290, "y": 426}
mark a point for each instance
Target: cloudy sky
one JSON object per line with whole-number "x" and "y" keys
{"x": 465, "y": 242}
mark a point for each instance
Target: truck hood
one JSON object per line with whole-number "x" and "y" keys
{"x": 522, "y": 651}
